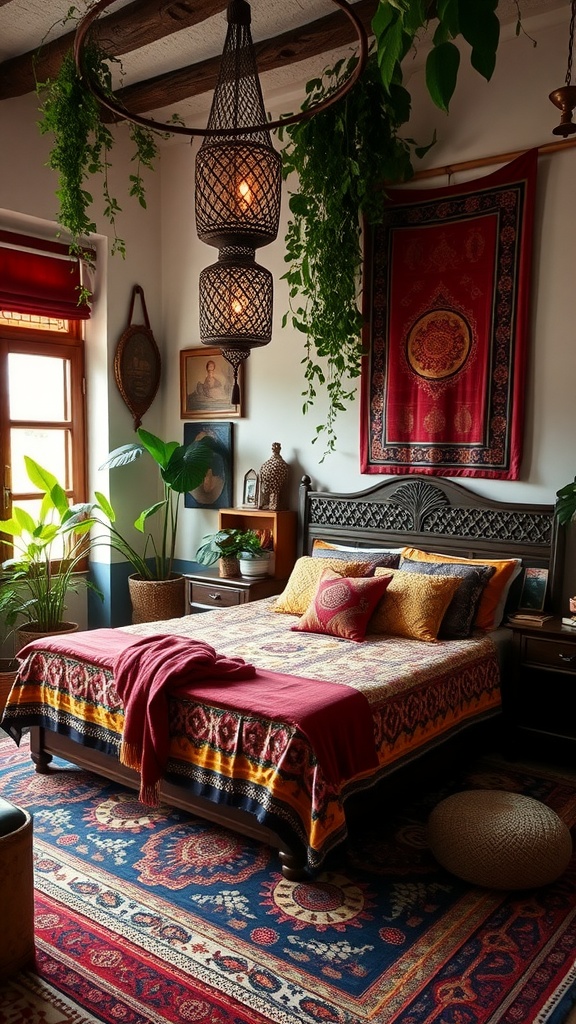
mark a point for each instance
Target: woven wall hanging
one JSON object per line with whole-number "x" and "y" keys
{"x": 137, "y": 362}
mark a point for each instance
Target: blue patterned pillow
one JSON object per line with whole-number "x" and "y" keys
{"x": 459, "y": 616}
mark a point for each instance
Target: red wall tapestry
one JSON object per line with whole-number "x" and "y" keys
{"x": 448, "y": 273}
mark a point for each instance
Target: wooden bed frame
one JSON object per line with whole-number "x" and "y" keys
{"x": 435, "y": 514}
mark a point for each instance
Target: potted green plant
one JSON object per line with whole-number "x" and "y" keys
{"x": 233, "y": 549}
{"x": 182, "y": 468}
{"x": 254, "y": 559}
{"x": 48, "y": 550}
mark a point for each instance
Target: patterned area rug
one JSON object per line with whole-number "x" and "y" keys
{"x": 147, "y": 915}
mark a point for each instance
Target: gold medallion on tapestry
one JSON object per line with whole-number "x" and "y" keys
{"x": 438, "y": 344}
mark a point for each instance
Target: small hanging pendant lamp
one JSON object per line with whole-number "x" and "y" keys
{"x": 565, "y": 97}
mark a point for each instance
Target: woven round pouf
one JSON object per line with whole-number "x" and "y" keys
{"x": 498, "y": 839}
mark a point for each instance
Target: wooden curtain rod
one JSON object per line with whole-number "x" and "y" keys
{"x": 486, "y": 161}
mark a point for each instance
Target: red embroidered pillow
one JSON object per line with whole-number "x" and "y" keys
{"x": 342, "y": 605}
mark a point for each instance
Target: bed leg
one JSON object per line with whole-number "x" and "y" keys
{"x": 293, "y": 866}
{"x": 39, "y": 756}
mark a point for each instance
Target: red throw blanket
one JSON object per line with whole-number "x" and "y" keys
{"x": 335, "y": 718}
{"x": 146, "y": 674}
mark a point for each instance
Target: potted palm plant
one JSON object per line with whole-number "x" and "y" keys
{"x": 156, "y": 590}
{"x": 237, "y": 551}
{"x": 44, "y": 569}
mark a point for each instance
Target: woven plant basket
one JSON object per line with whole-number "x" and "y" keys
{"x": 154, "y": 600}
{"x": 228, "y": 567}
{"x": 8, "y": 669}
{"x": 26, "y": 634}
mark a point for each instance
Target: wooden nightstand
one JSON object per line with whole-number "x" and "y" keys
{"x": 206, "y": 590}
{"x": 538, "y": 694}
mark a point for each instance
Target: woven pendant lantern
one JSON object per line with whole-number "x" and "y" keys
{"x": 238, "y": 190}
{"x": 238, "y": 179}
{"x": 236, "y": 301}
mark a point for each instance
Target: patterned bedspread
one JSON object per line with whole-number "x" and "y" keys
{"x": 418, "y": 693}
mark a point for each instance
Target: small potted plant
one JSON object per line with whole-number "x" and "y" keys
{"x": 253, "y": 557}
{"x": 233, "y": 549}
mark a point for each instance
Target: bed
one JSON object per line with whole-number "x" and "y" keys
{"x": 283, "y": 754}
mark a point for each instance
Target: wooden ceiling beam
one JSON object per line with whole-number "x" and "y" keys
{"x": 301, "y": 43}
{"x": 136, "y": 25}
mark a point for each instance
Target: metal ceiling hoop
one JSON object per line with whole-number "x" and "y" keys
{"x": 124, "y": 115}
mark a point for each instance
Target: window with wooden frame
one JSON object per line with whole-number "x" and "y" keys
{"x": 42, "y": 403}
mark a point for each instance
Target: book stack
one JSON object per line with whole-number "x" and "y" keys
{"x": 569, "y": 620}
{"x": 528, "y": 618}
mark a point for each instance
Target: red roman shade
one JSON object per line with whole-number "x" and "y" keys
{"x": 38, "y": 276}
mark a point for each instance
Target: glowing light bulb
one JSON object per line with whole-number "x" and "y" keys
{"x": 246, "y": 196}
{"x": 237, "y": 307}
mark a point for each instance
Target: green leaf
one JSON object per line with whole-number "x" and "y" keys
{"x": 480, "y": 28}
{"x": 140, "y": 523}
{"x": 449, "y": 15}
{"x": 382, "y": 18}
{"x": 441, "y": 73}
{"x": 389, "y": 49}
{"x": 40, "y": 477}
{"x": 123, "y": 456}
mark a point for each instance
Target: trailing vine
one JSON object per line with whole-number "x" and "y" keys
{"x": 342, "y": 157}
{"x": 82, "y": 146}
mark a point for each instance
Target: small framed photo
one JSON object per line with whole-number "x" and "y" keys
{"x": 216, "y": 489}
{"x": 250, "y": 493}
{"x": 206, "y": 382}
{"x": 534, "y": 587}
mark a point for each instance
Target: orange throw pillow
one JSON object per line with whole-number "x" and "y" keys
{"x": 492, "y": 603}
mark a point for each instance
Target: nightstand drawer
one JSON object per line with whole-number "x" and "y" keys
{"x": 213, "y": 595}
{"x": 549, "y": 653}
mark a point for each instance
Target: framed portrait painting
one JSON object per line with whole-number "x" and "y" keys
{"x": 206, "y": 382}
{"x": 217, "y": 487}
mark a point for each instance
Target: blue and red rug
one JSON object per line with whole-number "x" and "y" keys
{"x": 148, "y": 915}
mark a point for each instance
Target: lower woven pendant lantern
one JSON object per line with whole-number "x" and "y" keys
{"x": 238, "y": 189}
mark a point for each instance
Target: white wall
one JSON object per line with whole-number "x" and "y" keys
{"x": 510, "y": 113}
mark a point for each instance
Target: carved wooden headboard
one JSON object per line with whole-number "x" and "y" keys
{"x": 435, "y": 514}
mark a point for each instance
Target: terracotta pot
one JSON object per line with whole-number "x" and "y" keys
{"x": 228, "y": 567}
{"x": 8, "y": 669}
{"x": 153, "y": 600}
{"x": 32, "y": 631}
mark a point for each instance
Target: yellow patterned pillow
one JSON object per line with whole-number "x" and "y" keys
{"x": 490, "y": 610}
{"x": 305, "y": 577}
{"x": 413, "y": 605}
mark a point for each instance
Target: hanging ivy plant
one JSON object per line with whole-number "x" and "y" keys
{"x": 83, "y": 142}
{"x": 342, "y": 157}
